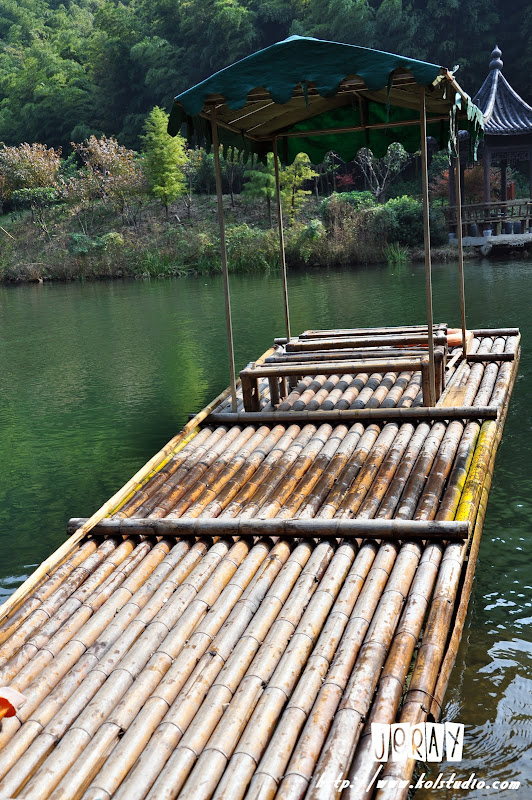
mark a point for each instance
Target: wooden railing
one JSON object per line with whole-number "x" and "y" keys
{"x": 492, "y": 216}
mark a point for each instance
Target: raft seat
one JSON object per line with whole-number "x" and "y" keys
{"x": 282, "y": 374}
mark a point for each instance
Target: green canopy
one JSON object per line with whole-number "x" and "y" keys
{"x": 308, "y": 94}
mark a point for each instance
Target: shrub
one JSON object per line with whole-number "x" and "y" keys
{"x": 340, "y": 204}
{"x": 34, "y": 198}
{"x": 28, "y": 166}
{"x": 408, "y": 214}
{"x": 305, "y": 244}
{"x": 251, "y": 250}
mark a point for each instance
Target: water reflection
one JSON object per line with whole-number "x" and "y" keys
{"x": 96, "y": 377}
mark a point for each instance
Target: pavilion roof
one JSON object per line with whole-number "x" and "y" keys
{"x": 505, "y": 112}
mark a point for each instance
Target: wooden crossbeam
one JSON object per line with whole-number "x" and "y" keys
{"x": 287, "y": 528}
{"x": 353, "y": 415}
{"x": 476, "y": 357}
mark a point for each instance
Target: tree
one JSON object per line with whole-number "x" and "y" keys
{"x": 164, "y": 159}
{"x": 380, "y": 172}
{"x": 293, "y": 178}
{"x": 111, "y": 174}
{"x": 260, "y": 183}
{"x": 349, "y": 21}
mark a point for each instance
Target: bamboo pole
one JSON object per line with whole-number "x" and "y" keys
{"x": 159, "y": 479}
{"x": 257, "y": 731}
{"x": 281, "y": 236}
{"x": 263, "y": 473}
{"x": 459, "y": 236}
{"x": 306, "y": 485}
{"x": 65, "y": 611}
{"x": 292, "y": 529}
{"x": 488, "y": 357}
{"x": 396, "y": 340}
{"x": 309, "y": 392}
{"x": 495, "y": 331}
{"x": 211, "y": 485}
{"x": 232, "y": 605}
{"x": 135, "y": 740}
{"x": 245, "y": 473}
{"x": 212, "y": 760}
{"x": 283, "y": 607}
{"x": 310, "y": 744}
{"x": 351, "y": 415}
{"x": 140, "y": 599}
{"x": 346, "y": 332}
{"x": 179, "y": 484}
{"x": 45, "y": 589}
{"x": 432, "y": 650}
{"x": 50, "y": 641}
{"x": 399, "y": 658}
{"x": 112, "y": 679}
{"x": 270, "y": 479}
{"x": 56, "y": 600}
{"x": 452, "y": 648}
{"x": 426, "y": 231}
{"x": 335, "y": 367}
{"x": 338, "y": 355}
{"x": 225, "y": 273}
{"x": 357, "y": 699}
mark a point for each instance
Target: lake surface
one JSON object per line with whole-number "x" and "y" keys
{"x": 95, "y": 378}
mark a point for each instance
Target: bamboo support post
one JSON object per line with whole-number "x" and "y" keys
{"x": 459, "y": 236}
{"x": 281, "y": 236}
{"x": 225, "y": 273}
{"x": 426, "y": 231}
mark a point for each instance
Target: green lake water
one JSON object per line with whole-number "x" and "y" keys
{"x": 95, "y": 378}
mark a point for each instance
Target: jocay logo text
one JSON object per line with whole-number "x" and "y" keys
{"x": 428, "y": 741}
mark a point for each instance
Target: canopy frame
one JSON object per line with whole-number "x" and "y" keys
{"x": 252, "y": 106}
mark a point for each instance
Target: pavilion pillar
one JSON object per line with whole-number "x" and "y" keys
{"x": 487, "y": 168}
{"x": 504, "y": 180}
{"x": 530, "y": 173}
{"x": 462, "y": 164}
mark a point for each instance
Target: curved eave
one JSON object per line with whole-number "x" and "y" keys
{"x": 505, "y": 112}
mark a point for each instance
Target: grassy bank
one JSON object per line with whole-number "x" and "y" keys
{"x": 59, "y": 242}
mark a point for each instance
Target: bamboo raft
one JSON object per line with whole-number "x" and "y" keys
{"x": 233, "y": 620}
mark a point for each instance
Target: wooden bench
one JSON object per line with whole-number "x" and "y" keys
{"x": 278, "y": 373}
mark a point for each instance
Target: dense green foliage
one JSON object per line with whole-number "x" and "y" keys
{"x": 80, "y": 67}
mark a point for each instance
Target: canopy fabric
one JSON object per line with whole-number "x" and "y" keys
{"x": 298, "y": 88}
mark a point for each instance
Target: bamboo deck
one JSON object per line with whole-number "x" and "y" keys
{"x": 232, "y": 621}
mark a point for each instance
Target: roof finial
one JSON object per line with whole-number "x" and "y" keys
{"x": 496, "y": 62}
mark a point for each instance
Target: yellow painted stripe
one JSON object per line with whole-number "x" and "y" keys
{"x": 155, "y": 470}
{"x": 470, "y": 497}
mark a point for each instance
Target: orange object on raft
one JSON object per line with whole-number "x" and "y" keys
{"x": 10, "y": 701}
{"x": 454, "y": 337}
